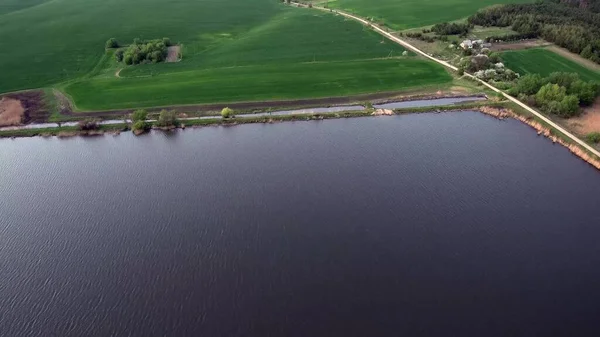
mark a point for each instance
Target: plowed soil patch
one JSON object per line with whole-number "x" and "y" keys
{"x": 11, "y": 112}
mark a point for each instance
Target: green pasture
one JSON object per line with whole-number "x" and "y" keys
{"x": 299, "y": 53}
{"x": 232, "y": 51}
{"x": 544, "y": 62}
{"x": 256, "y": 82}
{"x": 60, "y": 40}
{"x": 403, "y": 14}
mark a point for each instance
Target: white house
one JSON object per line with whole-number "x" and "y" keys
{"x": 466, "y": 44}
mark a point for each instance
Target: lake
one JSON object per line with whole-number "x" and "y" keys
{"x": 452, "y": 224}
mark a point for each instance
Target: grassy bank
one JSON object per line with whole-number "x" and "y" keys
{"x": 481, "y": 105}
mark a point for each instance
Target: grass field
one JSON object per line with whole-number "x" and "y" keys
{"x": 403, "y": 14}
{"x": 544, "y": 62}
{"x": 232, "y": 51}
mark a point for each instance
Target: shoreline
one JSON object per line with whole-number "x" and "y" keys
{"x": 498, "y": 110}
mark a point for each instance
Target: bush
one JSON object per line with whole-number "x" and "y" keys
{"x": 112, "y": 43}
{"x": 569, "y": 106}
{"x": 139, "y": 115}
{"x": 593, "y": 137}
{"x": 88, "y": 124}
{"x": 140, "y": 126}
{"x": 529, "y": 84}
{"x": 227, "y": 113}
{"x": 167, "y": 119}
{"x": 119, "y": 55}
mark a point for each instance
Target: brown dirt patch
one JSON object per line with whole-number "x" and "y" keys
{"x": 588, "y": 122}
{"x": 526, "y": 44}
{"x": 173, "y": 55}
{"x": 33, "y": 103}
{"x": 11, "y": 112}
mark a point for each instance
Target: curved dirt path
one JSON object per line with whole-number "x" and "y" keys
{"x": 448, "y": 65}
{"x": 118, "y": 73}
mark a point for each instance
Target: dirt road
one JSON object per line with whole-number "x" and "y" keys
{"x": 448, "y": 65}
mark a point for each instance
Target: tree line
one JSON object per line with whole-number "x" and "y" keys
{"x": 560, "y": 93}
{"x": 141, "y": 51}
{"x": 574, "y": 28}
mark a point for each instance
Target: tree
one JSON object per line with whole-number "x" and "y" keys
{"x": 563, "y": 79}
{"x": 529, "y": 84}
{"x": 152, "y": 51}
{"x": 587, "y": 52}
{"x": 586, "y": 91}
{"x": 227, "y": 113}
{"x": 569, "y": 106}
{"x": 167, "y": 118}
{"x": 112, "y": 43}
{"x": 119, "y": 55}
{"x": 139, "y": 115}
{"x": 550, "y": 92}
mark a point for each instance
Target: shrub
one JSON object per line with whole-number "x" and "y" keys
{"x": 550, "y": 93}
{"x": 569, "y": 106}
{"x": 112, "y": 43}
{"x": 593, "y": 137}
{"x": 139, "y": 115}
{"x": 88, "y": 124}
{"x": 227, "y": 113}
{"x": 167, "y": 118}
{"x": 140, "y": 126}
{"x": 119, "y": 55}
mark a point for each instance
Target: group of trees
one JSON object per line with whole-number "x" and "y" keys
{"x": 572, "y": 27}
{"x": 560, "y": 93}
{"x": 487, "y": 66}
{"x": 140, "y": 124}
{"x": 152, "y": 51}
{"x": 138, "y": 121}
{"x": 426, "y": 38}
{"x": 446, "y": 28}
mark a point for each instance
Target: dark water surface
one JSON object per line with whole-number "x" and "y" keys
{"x": 418, "y": 225}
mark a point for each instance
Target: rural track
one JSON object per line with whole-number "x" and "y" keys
{"x": 448, "y": 65}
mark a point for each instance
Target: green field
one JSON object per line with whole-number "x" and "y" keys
{"x": 544, "y": 62}
{"x": 232, "y": 51}
{"x": 403, "y": 14}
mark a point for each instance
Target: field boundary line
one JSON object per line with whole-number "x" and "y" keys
{"x": 448, "y": 65}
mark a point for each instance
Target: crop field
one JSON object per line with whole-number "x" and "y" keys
{"x": 544, "y": 62}
{"x": 404, "y": 14}
{"x": 232, "y": 51}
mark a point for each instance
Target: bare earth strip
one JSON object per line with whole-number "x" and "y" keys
{"x": 575, "y": 58}
{"x": 526, "y": 44}
{"x": 11, "y": 112}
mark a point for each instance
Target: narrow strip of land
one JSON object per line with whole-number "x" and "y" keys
{"x": 448, "y": 65}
